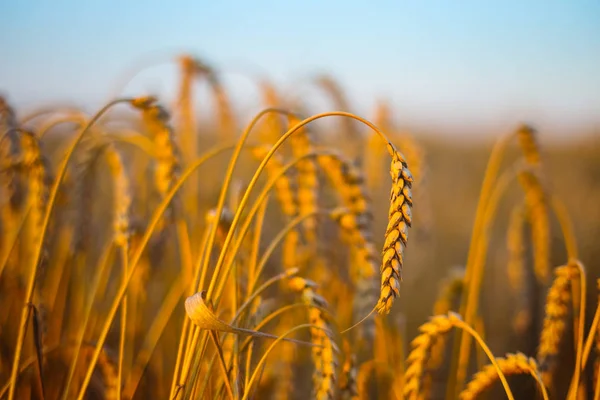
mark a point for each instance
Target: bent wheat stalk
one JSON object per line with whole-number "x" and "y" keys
{"x": 440, "y": 325}
{"x": 511, "y": 364}
{"x": 471, "y": 296}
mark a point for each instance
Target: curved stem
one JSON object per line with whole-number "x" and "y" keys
{"x": 48, "y": 110}
{"x": 597, "y": 389}
{"x": 243, "y": 307}
{"x": 236, "y": 246}
{"x": 277, "y": 240}
{"x": 249, "y": 339}
{"x": 78, "y": 119}
{"x": 538, "y": 379}
{"x": 487, "y": 186}
{"x": 566, "y": 227}
{"x": 213, "y": 336}
{"x": 580, "y": 331}
{"x": 481, "y": 243}
{"x": 221, "y": 201}
{"x": 136, "y": 140}
{"x": 252, "y": 276}
{"x": 590, "y": 338}
{"x": 122, "y": 339}
{"x": 259, "y": 170}
{"x": 467, "y": 329}
{"x": 253, "y": 211}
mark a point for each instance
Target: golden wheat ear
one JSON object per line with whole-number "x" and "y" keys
{"x": 325, "y": 353}
{"x": 537, "y": 205}
{"x": 555, "y": 321}
{"x": 396, "y": 235}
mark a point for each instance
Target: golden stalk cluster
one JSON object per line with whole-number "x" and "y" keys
{"x": 142, "y": 258}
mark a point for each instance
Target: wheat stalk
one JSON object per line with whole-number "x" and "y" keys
{"x": 474, "y": 269}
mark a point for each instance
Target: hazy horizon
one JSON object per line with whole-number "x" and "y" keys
{"x": 477, "y": 67}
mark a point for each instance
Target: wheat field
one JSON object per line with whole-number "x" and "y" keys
{"x": 148, "y": 253}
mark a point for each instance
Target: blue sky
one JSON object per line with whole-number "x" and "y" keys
{"x": 440, "y": 62}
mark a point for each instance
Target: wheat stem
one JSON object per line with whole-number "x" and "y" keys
{"x": 473, "y": 282}
{"x": 455, "y": 382}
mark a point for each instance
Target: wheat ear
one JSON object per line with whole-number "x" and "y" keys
{"x": 527, "y": 136}
{"x": 325, "y": 353}
{"x": 536, "y": 203}
{"x": 348, "y": 383}
{"x": 555, "y": 321}
{"x": 396, "y": 234}
{"x": 516, "y": 270}
{"x": 452, "y": 289}
{"x": 307, "y": 182}
{"x": 156, "y": 120}
{"x": 511, "y": 364}
{"x": 418, "y": 357}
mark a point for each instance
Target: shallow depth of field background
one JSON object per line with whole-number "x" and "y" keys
{"x": 454, "y": 76}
